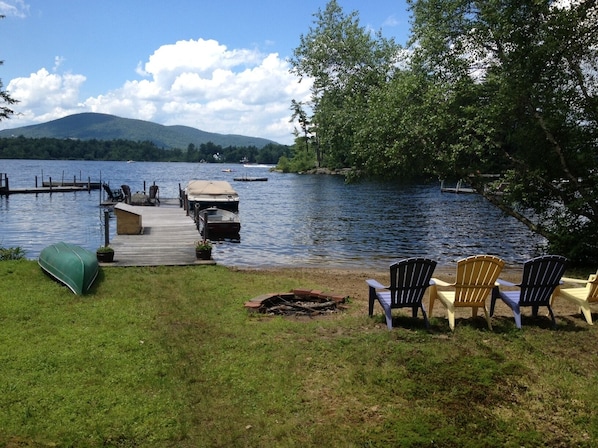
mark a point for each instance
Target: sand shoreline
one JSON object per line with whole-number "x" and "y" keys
{"x": 350, "y": 282}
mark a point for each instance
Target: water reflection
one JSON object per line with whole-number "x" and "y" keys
{"x": 290, "y": 220}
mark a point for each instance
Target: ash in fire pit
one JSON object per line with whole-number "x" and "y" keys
{"x": 299, "y": 302}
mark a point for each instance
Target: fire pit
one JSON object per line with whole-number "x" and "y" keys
{"x": 298, "y": 302}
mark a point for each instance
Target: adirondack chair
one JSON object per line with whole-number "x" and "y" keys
{"x": 127, "y": 193}
{"x": 582, "y": 297}
{"x": 153, "y": 195}
{"x": 409, "y": 279}
{"x": 476, "y": 276}
{"x": 114, "y": 195}
{"x": 541, "y": 277}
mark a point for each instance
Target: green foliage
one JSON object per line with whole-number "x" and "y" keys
{"x": 521, "y": 102}
{"x": 495, "y": 87}
{"x": 11, "y": 253}
{"x": 70, "y": 149}
{"x": 5, "y": 99}
{"x": 345, "y": 61}
{"x": 203, "y": 245}
{"x": 301, "y": 161}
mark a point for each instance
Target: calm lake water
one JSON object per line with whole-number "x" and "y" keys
{"x": 289, "y": 221}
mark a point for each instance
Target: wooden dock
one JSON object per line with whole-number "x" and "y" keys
{"x": 167, "y": 239}
{"x": 36, "y": 190}
{"x": 459, "y": 188}
{"x": 47, "y": 187}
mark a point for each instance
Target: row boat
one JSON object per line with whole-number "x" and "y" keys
{"x": 70, "y": 264}
{"x": 219, "y": 223}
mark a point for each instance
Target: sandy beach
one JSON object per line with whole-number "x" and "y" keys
{"x": 351, "y": 282}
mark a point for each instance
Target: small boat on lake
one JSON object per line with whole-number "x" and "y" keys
{"x": 219, "y": 223}
{"x": 212, "y": 193}
{"x": 71, "y": 265}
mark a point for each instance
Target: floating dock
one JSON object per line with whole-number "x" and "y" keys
{"x": 459, "y": 188}
{"x": 36, "y": 190}
{"x": 250, "y": 179}
{"x": 76, "y": 183}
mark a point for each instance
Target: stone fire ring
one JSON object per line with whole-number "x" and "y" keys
{"x": 294, "y": 303}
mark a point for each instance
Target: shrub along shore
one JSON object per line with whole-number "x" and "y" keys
{"x": 169, "y": 356}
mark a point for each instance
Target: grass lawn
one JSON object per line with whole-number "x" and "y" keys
{"x": 169, "y": 357}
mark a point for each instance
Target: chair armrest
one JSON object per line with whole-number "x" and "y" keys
{"x": 375, "y": 284}
{"x": 501, "y": 282}
{"x": 437, "y": 281}
{"x": 573, "y": 280}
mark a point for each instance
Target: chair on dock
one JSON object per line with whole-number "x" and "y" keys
{"x": 409, "y": 279}
{"x": 153, "y": 195}
{"x": 115, "y": 195}
{"x": 127, "y": 193}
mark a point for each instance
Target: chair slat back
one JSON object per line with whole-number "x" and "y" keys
{"x": 153, "y": 191}
{"x": 475, "y": 278}
{"x": 592, "y": 287}
{"x": 540, "y": 278}
{"x": 126, "y": 192}
{"x": 409, "y": 279}
{"x": 108, "y": 192}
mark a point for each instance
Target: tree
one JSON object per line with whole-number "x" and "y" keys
{"x": 518, "y": 80}
{"x": 5, "y": 99}
{"x": 300, "y": 115}
{"x": 345, "y": 62}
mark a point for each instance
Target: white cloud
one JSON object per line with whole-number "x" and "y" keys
{"x": 43, "y": 91}
{"x": 198, "y": 83}
{"x": 14, "y": 8}
{"x": 391, "y": 21}
{"x": 58, "y": 61}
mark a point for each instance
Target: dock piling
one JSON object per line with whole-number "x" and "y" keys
{"x": 106, "y": 227}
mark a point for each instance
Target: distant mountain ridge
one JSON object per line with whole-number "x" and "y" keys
{"x": 89, "y": 125}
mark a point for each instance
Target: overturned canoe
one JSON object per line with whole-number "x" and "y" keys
{"x": 70, "y": 264}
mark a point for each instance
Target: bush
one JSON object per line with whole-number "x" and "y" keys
{"x": 11, "y": 253}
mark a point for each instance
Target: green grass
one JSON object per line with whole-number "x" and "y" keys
{"x": 169, "y": 357}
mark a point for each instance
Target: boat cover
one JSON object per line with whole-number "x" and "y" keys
{"x": 210, "y": 188}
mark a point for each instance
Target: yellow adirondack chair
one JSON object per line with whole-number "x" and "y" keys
{"x": 476, "y": 276}
{"x": 582, "y": 297}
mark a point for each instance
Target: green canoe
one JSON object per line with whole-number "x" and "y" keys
{"x": 70, "y": 264}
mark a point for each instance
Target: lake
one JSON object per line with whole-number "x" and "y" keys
{"x": 289, "y": 221}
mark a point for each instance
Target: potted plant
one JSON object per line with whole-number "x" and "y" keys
{"x": 105, "y": 254}
{"x": 203, "y": 249}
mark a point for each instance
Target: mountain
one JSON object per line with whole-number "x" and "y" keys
{"x": 87, "y": 126}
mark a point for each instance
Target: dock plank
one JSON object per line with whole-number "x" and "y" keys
{"x": 167, "y": 240}
{"x": 39, "y": 190}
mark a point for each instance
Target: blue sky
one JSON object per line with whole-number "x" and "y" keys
{"x": 217, "y": 65}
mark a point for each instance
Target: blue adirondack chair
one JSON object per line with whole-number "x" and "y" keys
{"x": 409, "y": 279}
{"x": 541, "y": 277}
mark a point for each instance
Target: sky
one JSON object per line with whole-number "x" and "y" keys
{"x": 218, "y": 65}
